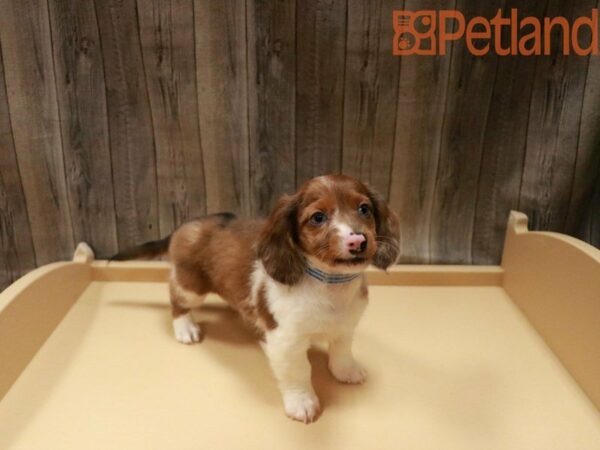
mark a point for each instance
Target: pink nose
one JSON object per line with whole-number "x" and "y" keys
{"x": 355, "y": 241}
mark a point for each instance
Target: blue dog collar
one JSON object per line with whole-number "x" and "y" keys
{"x": 330, "y": 278}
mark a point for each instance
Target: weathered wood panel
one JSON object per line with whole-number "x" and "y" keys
{"x": 594, "y": 216}
{"x": 320, "y": 49}
{"x": 272, "y": 92}
{"x": 587, "y": 162}
{"x": 81, "y": 96}
{"x": 130, "y": 124}
{"x": 553, "y": 128}
{"x": 422, "y": 93}
{"x": 468, "y": 106}
{"x": 370, "y": 93}
{"x": 585, "y": 221}
{"x": 589, "y": 228}
{"x": 167, "y": 109}
{"x": 167, "y": 36}
{"x": 221, "y": 71}
{"x": 28, "y": 66}
{"x": 16, "y": 246}
{"x": 504, "y": 145}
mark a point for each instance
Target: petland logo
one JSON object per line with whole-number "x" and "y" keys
{"x": 428, "y": 33}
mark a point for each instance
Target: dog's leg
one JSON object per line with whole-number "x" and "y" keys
{"x": 186, "y": 330}
{"x": 341, "y": 362}
{"x": 289, "y": 361}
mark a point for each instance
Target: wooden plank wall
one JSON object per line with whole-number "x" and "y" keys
{"x": 120, "y": 119}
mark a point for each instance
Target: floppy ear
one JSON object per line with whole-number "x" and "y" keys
{"x": 388, "y": 232}
{"x": 278, "y": 244}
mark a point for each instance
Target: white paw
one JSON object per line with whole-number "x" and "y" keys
{"x": 186, "y": 330}
{"x": 301, "y": 406}
{"x": 352, "y": 373}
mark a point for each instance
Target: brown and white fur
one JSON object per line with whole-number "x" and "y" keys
{"x": 335, "y": 224}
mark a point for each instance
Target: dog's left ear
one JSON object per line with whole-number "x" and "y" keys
{"x": 278, "y": 243}
{"x": 388, "y": 232}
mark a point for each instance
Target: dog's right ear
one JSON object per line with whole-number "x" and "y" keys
{"x": 278, "y": 244}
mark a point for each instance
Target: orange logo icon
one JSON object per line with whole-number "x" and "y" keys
{"x": 412, "y": 31}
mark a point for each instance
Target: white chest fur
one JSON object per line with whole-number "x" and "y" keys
{"x": 305, "y": 312}
{"x": 314, "y": 308}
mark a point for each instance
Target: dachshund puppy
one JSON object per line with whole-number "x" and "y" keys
{"x": 297, "y": 276}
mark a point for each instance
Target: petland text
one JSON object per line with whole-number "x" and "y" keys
{"x": 428, "y": 32}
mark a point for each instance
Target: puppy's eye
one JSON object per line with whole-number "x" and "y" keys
{"x": 318, "y": 218}
{"x": 364, "y": 210}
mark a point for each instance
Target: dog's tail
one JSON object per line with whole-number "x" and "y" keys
{"x": 154, "y": 249}
{"x": 148, "y": 250}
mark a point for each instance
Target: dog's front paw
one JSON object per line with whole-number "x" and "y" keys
{"x": 352, "y": 373}
{"x": 186, "y": 330}
{"x": 301, "y": 406}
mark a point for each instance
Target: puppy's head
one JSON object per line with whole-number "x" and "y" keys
{"x": 336, "y": 222}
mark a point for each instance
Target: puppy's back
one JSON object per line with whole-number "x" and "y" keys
{"x": 216, "y": 254}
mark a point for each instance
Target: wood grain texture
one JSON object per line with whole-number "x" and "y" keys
{"x": 553, "y": 128}
{"x": 468, "y": 106}
{"x": 370, "y": 93}
{"x": 16, "y": 245}
{"x": 320, "y": 49}
{"x": 28, "y": 65}
{"x": 221, "y": 71}
{"x": 167, "y": 36}
{"x": 130, "y": 124}
{"x": 504, "y": 145}
{"x": 81, "y": 96}
{"x": 584, "y": 220}
{"x": 589, "y": 229}
{"x": 587, "y": 162}
{"x": 422, "y": 93}
{"x": 123, "y": 118}
{"x": 272, "y": 92}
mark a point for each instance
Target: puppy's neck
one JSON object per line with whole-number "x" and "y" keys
{"x": 323, "y": 275}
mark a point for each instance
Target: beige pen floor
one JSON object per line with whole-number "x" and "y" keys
{"x": 450, "y": 368}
